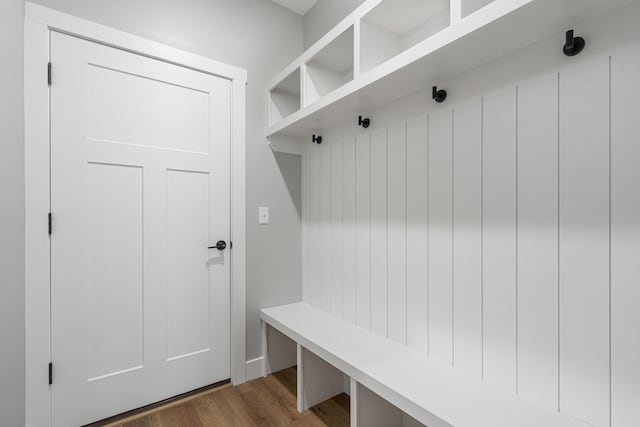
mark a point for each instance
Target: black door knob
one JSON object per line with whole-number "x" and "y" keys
{"x": 221, "y": 245}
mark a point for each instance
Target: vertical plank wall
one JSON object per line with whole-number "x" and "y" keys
{"x": 625, "y": 238}
{"x": 467, "y": 237}
{"x": 499, "y": 177}
{"x": 440, "y": 237}
{"x": 538, "y": 239}
{"x": 500, "y": 235}
{"x": 584, "y": 240}
{"x": 379, "y": 233}
{"x": 417, "y": 232}
{"x": 363, "y": 231}
{"x": 349, "y": 231}
{"x": 337, "y": 249}
{"x": 397, "y": 233}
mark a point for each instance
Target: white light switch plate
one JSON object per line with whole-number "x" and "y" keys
{"x": 263, "y": 215}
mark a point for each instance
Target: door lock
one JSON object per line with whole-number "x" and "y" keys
{"x": 221, "y": 245}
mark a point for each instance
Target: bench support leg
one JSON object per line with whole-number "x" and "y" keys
{"x": 353, "y": 402}
{"x": 317, "y": 380}
{"x": 265, "y": 353}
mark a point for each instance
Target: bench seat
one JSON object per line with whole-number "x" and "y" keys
{"x": 431, "y": 392}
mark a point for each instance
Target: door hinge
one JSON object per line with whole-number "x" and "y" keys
{"x": 49, "y": 73}
{"x": 50, "y": 373}
{"x": 50, "y": 223}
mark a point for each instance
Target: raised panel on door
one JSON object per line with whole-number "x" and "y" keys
{"x": 499, "y": 238}
{"x": 349, "y": 293}
{"x": 467, "y": 236}
{"x": 180, "y": 114}
{"x": 188, "y": 281}
{"x": 379, "y": 232}
{"x": 115, "y": 264}
{"x": 363, "y": 230}
{"x": 336, "y": 252}
{"x": 441, "y": 235}
{"x": 584, "y": 240}
{"x": 397, "y": 255}
{"x": 417, "y": 234}
{"x": 538, "y": 239}
{"x": 625, "y": 237}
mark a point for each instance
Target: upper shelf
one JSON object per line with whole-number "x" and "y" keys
{"x": 329, "y": 69}
{"x": 394, "y": 26}
{"x": 387, "y": 49}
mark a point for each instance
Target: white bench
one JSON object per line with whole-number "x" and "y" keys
{"x": 389, "y": 381}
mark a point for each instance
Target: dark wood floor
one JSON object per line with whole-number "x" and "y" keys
{"x": 267, "y": 401}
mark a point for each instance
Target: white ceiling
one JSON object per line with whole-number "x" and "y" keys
{"x": 298, "y": 6}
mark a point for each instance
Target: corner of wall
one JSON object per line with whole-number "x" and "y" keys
{"x": 12, "y": 292}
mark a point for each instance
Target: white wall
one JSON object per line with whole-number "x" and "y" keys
{"x": 497, "y": 232}
{"x": 263, "y": 38}
{"x": 11, "y": 215}
{"x": 324, "y": 16}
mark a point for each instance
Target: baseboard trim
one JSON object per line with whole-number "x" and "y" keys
{"x": 254, "y": 368}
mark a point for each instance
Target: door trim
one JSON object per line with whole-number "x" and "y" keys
{"x": 39, "y": 22}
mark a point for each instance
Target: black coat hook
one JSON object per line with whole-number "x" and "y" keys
{"x": 364, "y": 122}
{"x": 573, "y": 45}
{"x": 317, "y": 139}
{"x": 439, "y": 95}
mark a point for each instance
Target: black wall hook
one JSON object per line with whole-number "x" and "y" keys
{"x": 364, "y": 122}
{"x": 439, "y": 95}
{"x": 317, "y": 139}
{"x": 573, "y": 45}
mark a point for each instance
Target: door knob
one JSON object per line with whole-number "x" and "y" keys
{"x": 221, "y": 245}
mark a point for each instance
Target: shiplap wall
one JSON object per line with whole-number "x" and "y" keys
{"x": 500, "y": 234}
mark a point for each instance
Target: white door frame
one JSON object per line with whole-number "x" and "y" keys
{"x": 39, "y": 22}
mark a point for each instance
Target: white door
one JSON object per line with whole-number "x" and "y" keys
{"x": 140, "y": 188}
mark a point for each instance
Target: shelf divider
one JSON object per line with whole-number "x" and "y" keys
{"x": 384, "y": 69}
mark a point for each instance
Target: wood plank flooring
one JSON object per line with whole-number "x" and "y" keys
{"x": 269, "y": 401}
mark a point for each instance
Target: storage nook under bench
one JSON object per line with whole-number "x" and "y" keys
{"x": 389, "y": 384}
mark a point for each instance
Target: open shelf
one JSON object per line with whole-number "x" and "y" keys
{"x": 284, "y": 98}
{"x": 470, "y": 6}
{"x": 401, "y": 49}
{"x": 330, "y": 68}
{"x": 394, "y": 26}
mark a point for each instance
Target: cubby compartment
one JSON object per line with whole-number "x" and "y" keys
{"x": 318, "y": 381}
{"x": 284, "y": 98}
{"x": 394, "y": 26}
{"x": 330, "y": 68}
{"x": 470, "y": 6}
{"x": 370, "y": 410}
{"x": 280, "y": 352}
